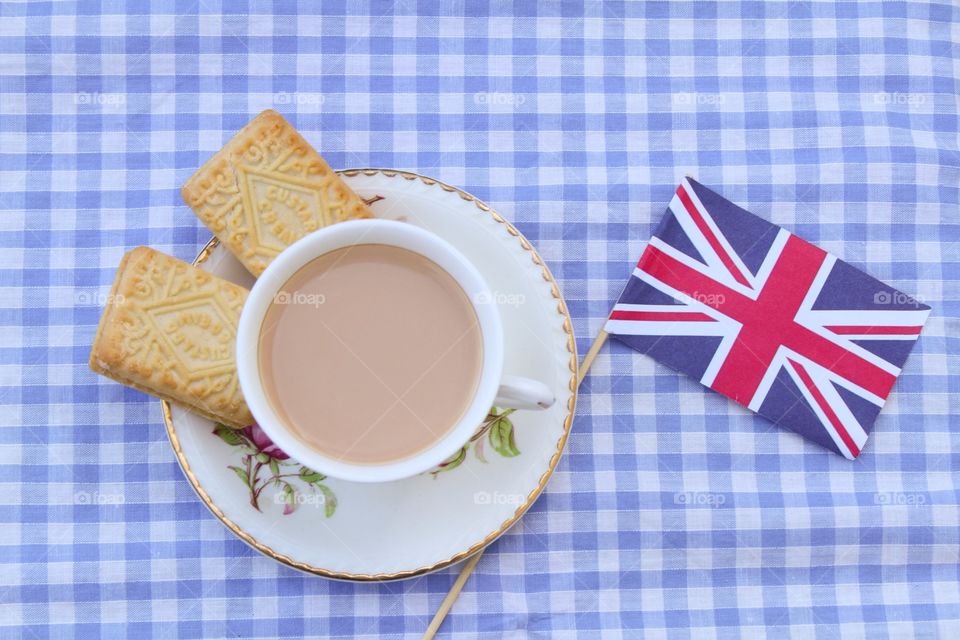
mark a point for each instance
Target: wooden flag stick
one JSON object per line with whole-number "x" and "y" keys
{"x": 452, "y": 596}
{"x": 468, "y": 567}
{"x": 588, "y": 359}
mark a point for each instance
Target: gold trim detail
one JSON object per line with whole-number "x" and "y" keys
{"x": 531, "y": 497}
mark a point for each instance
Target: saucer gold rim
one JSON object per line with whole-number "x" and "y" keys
{"x": 489, "y": 538}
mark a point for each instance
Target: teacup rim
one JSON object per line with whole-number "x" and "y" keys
{"x": 331, "y": 238}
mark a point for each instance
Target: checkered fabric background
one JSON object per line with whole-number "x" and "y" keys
{"x": 674, "y": 513}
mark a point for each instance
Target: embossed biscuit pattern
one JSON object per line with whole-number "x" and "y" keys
{"x": 169, "y": 329}
{"x": 266, "y": 189}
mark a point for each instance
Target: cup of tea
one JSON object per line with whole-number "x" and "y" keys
{"x": 370, "y": 351}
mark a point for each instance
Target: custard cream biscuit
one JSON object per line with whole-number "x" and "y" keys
{"x": 170, "y": 329}
{"x": 266, "y": 189}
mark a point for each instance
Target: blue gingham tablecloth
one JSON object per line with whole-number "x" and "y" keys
{"x": 674, "y": 513}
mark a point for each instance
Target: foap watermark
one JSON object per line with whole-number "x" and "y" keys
{"x": 93, "y": 298}
{"x": 498, "y": 99}
{"x": 897, "y": 298}
{"x": 501, "y": 298}
{"x": 709, "y": 299}
{"x": 898, "y": 98}
{"x": 900, "y": 498}
{"x": 97, "y": 99}
{"x": 699, "y": 99}
{"x": 299, "y": 98}
{"x": 497, "y": 498}
{"x": 700, "y": 499}
{"x": 299, "y": 498}
{"x": 299, "y": 298}
{"x": 98, "y": 498}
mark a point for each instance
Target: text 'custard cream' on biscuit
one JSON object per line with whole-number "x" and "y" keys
{"x": 266, "y": 189}
{"x": 170, "y": 329}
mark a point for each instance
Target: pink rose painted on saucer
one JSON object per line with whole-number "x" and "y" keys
{"x": 264, "y": 467}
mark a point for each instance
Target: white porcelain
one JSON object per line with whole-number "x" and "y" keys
{"x": 393, "y": 530}
{"x": 518, "y": 392}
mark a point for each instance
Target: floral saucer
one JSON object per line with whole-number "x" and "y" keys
{"x": 387, "y": 531}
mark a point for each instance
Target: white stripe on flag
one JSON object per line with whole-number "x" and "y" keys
{"x": 666, "y": 329}
{"x": 722, "y": 239}
{"x": 656, "y": 308}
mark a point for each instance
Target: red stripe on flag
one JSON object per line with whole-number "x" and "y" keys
{"x": 825, "y": 406}
{"x": 661, "y": 316}
{"x": 768, "y": 322}
{"x": 882, "y": 331}
{"x": 709, "y": 235}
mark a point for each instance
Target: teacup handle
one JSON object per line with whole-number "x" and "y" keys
{"x": 518, "y": 392}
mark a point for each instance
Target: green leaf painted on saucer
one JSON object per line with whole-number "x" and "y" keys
{"x": 451, "y": 463}
{"x": 242, "y": 474}
{"x": 329, "y": 499}
{"x": 502, "y": 438}
{"x": 233, "y": 437}
{"x": 289, "y": 499}
{"x": 309, "y": 475}
{"x": 498, "y": 430}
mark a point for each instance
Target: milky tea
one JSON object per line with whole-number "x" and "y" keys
{"x": 370, "y": 353}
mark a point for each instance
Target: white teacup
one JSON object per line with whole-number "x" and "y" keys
{"x": 494, "y": 387}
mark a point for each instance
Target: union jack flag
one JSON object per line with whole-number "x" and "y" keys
{"x": 767, "y": 319}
